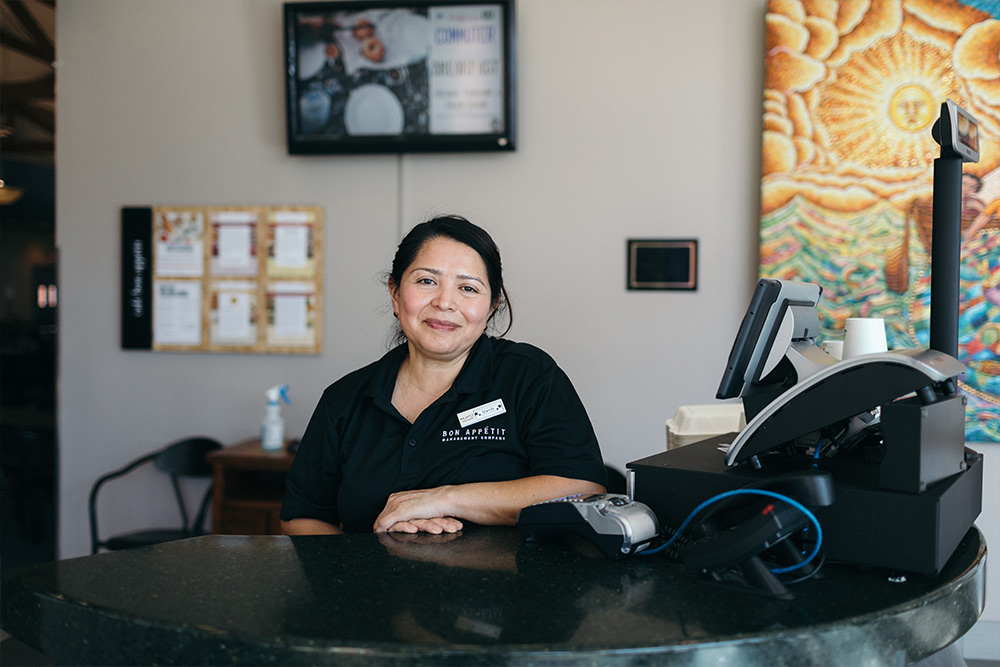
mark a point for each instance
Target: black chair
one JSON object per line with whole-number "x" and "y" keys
{"x": 184, "y": 458}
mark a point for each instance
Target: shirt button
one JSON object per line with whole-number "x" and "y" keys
{"x": 412, "y": 442}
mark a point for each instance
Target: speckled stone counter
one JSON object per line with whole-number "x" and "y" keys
{"x": 483, "y": 597}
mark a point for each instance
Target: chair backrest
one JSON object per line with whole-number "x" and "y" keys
{"x": 187, "y": 458}
{"x": 184, "y": 458}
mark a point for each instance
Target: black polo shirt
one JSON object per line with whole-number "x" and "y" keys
{"x": 511, "y": 413}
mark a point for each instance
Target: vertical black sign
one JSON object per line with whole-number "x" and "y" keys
{"x": 137, "y": 279}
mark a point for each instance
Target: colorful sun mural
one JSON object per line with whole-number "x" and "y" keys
{"x": 852, "y": 88}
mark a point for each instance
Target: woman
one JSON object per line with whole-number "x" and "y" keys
{"x": 449, "y": 426}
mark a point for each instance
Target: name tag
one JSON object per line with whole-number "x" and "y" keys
{"x": 481, "y": 413}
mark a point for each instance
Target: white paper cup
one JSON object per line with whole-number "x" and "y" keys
{"x": 864, "y": 335}
{"x": 835, "y": 348}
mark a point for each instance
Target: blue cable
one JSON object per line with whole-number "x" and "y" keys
{"x": 819, "y": 446}
{"x": 757, "y": 492}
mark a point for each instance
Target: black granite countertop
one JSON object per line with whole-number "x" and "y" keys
{"x": 482, "y": 597}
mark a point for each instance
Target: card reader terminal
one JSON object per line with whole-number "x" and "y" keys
{"x": 614, "y": 523}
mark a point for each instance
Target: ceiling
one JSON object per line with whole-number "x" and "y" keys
{"x": 27, "y": 79}
{"x": 27, "y": 115}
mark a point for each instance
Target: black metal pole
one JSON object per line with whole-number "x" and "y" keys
{"x": 946, "y": 242}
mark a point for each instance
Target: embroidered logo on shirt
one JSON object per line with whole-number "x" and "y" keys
{"x": 481, "y": 413}
{"x": 478, "y": 434}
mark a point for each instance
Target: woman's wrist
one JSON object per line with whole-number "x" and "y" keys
{"x": 309, "y": 527}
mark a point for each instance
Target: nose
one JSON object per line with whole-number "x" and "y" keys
{"x": 443, "y": 299}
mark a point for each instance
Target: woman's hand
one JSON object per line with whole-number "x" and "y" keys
{"x": 421, "y": 510}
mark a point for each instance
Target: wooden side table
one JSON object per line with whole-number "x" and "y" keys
{"x": 249, "y": 485}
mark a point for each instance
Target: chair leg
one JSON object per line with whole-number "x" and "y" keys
{"x": 198, "y": 527}
{"x": 180, "y": 502}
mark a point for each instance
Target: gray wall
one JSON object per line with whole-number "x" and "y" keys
{"x": 181, "y": 102}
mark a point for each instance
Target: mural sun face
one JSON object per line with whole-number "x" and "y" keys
{"x": 878, "y": 107}
{"x": 912, "y": 107}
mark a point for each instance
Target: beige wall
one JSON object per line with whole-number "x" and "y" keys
{"x": 181, "y": 102}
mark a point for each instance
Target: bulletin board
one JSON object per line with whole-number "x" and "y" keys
{"x": 222, "y": 279}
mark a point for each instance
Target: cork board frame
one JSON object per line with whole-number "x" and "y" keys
{"x": 232, "y": 279}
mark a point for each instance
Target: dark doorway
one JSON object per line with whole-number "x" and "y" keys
{"x": 29, "y": 293}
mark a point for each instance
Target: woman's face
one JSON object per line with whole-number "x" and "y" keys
{"x": 443, "y": 300}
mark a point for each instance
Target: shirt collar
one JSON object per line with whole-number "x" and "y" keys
{"x": 383, "y": 381}
{"x": 476, "y": 374}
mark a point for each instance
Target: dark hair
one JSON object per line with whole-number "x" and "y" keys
{"x": 459, "y": 229}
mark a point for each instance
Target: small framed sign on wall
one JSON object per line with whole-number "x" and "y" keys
{"x": 662, "y": 264}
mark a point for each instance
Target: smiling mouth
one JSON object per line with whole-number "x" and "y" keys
{"x": 441, "y": 325}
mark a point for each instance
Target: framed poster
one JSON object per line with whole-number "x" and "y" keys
{"x": 222, "y": 279}
{"x": 399, "y": 76}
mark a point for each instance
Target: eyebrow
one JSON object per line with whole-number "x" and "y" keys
{"x": 437, "y": 272}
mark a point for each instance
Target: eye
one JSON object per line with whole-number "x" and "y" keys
{"x": 470, "y": 288}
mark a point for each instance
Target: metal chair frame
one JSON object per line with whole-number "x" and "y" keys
{"x": 184, "y": 458}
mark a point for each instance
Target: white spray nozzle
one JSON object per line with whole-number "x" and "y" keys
{"x": 278, "y": 390}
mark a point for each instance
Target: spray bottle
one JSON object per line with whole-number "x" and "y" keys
{"x": 272, "y": 429}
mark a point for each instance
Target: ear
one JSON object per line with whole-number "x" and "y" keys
{"x": 495, "y": 307}
{"x": 393, "y": 292}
